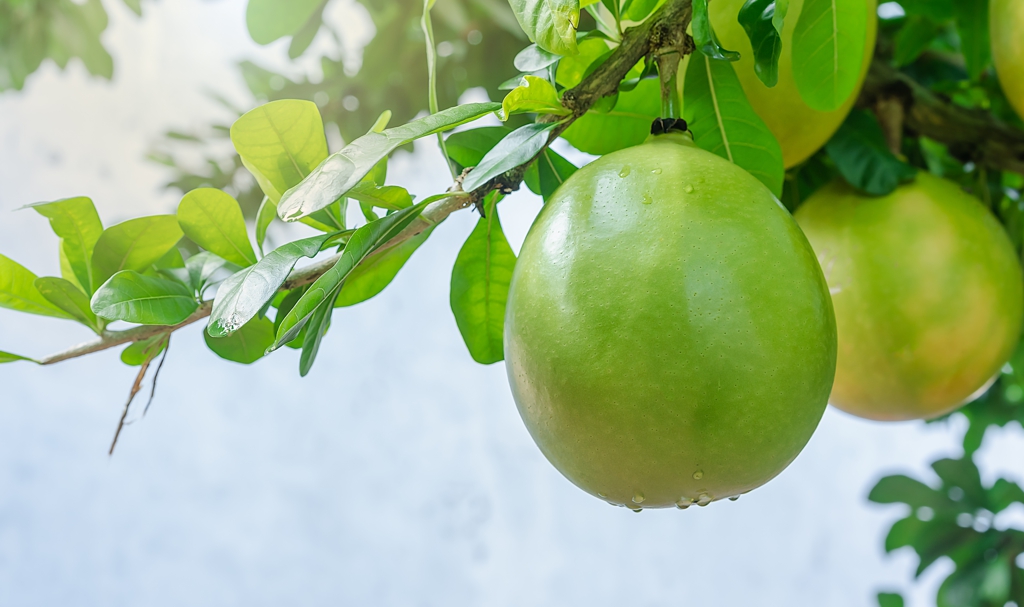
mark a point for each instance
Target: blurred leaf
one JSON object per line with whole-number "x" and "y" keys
{"x": 515, "y": 149}
{"x": 133, "y": 245}
{"x": 888, "y": 599}
{"x": 859, "y": 151}
{"x": 76, "y": 222}
{"x": 704, "y": 34}
{"x": 724, "y": 123}
{"x": 342, "y": 171}
{"x": 468, "y": 148}
{"x": 764, "y": 28}
{"x": 201, "y": 267}
{"x": 269, "y": 20}
{"x": 18, "y": 291}
{"x": 213, "y": 220}
{"x": 145, "y": 300}
{"x": 69, "y": 298}
{"x": 548, "y": 173}
{"x": 141, "y": 352}
{"x": 937, "y": 10}
{"x": 307, "y": 33}
{"x": 828, "y": 51}
{"x": 135, "y": 5}
{"x": 533, "y": 58}
{"x": 972, "y": 25}
{"x": 246, "y": 345}
{"x": 480, "y": 282}
{"x": 551, "y": 24}
{"x": 376, "y": 273}
{"x": 572, "y": 70}
{"x": 903, "y": 489}
{"x": 7, "y": 357}
{"x": 914, "y": 37}
{"x": 638, "y": 10}
{"x": 628, "y": 124}
{"x": 535, "y": 96}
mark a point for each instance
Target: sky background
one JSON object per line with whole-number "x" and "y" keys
{"x": 397, "y": 473}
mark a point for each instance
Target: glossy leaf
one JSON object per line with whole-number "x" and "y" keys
{"x": 213, "y": 220}
{"x": 534, "y": 96}
{"x": 626, "y": 125}
{"x": 18, "y": 291}
{"x": 280, "y": 143}
{"x": 141, "y": 352}
{"x": 723, "y": 122}
{"x": 479, "y": 290}
{"x": 76, "y": 222}
{"x": 241, "y": 297}
{"x": 7, "y": 357}
{"x": 341, "y": 172}
{"x": 315, "y": 330}
{"x": 828, "y": 50}
{"x": 201, "y": 268}
{"x": 533, "y": 58}
{"x": 764, "y": 28}
{"x": 364, "y": 241}
{"x": 269, "y": 20}
{"x": 69, "y": 298}
{"x": 145, "y": 300}
{"x": 516, "y": 149}
{"x": 468, "y": 148}
{"x": 376, "y": 273}
{"x": 134, "y": 245}
{"x": 859, "y": 151}
{"x": 704, "y": 34}
{"x": 246, "y": 345}
{"x": 972, "y": 25}
{"x": 548, "y": 173}
{"x": 551, "y": 24}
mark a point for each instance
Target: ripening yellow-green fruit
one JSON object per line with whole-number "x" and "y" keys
{"x": 1006, "y": 31}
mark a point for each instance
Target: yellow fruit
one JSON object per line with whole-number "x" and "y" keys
{"x": 669, "y": 337}
{"x": 928, "y": 295}
{"x": 801, "y": 131}
{"x": 1006, "y": 29}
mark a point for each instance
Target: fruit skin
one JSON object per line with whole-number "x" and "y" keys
{"x": 927, "y": 291}
{"x": 667, "y": 319}
{"x": 1006, "y": 28}
{"x": 801, "y": 131}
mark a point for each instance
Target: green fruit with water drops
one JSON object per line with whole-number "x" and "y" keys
{"x": 1006, "y": 25}
{"x": 928, "y": 295}
{"x": 669, "y": 336}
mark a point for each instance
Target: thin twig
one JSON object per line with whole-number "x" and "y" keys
{"x": 136, "y": 387}
{"x": 156, "y": 375}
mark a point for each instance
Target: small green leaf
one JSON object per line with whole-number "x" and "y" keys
{"x": 534, "y": 96}
{"x": 937, "y": 10}
{"x": 134, "y": 245}
{"x": 704, "y": 34}
{"x": 373, "y": 275}
{"x": 888, "y": 599}
{"x": 900, "y": 489}
{"x": 913, "y": 38}
{"x": 533, "y": 58}
{"x": 468, "y": 148}
{"x": 859, "y": 151}
{"x": 280, "y": 142}
{"x": 69, "y": 298}
{"x": 723, "y": 122}
{"x": 972, "y": 25}
{"x": 135, "y": 5}
{"x": 1003, "y": 494}
{"x": 7, "y": 357}
{"x": 145, "y": 300}
{"x": 341, "y": 172}
{"x": 572, "y": 70}
{"x": 269, "y": 20}
{"x": 548, "y": 173}
{"x": 241, "y": 297}
{"x": 764, "y": 29}
{"x": 828, "y": 50}
{"x": 315, "y": 330}
{"x": 18, "y": 291}
{"x": 78, "y": 225}
{"x": 141, "y": 352}
{"x": 480, "y": 281}
{"x": 390, "y": 197}
{"x": 201, "y": 267}
{"x": 626, "y": 125}
{"x": 549, "y": 23}
{"x": 364, "y": 241}
{"x": 521, "y": 145}
{"x": 213, "y": 220}
{"x": 246, "y": 345}
{"x": 266, "y": 215}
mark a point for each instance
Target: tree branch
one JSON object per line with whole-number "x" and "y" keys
{"x": 665, "y": 28}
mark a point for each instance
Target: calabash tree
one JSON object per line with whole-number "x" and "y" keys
{"x": 673, "y": 255}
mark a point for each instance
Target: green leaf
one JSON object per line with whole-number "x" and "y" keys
{"x": 69, "y": 298}
{"x": 241, "y": 297}
{"x": 572, "y": 70}
{"x": 135, "y": 5}
{"x": 937, "y": 10}
{"x": 548, "y": 173}
{"x": 145, "y": 300}
{"x": 141, "y": 352}
{"x": 315, "y": 330}
{"x": 201, "y": 267}
{"x": 468, "y": 148}
{"x": 534, "y": 96}
{"x": 533, "y": 58}
{"x": 704, "y": 34}
{"x": 900, "y": 489}
{"x": 391, "y": 197}
{"x": 764, "y": 28}
{"x": 722, "y": 121}
{"x": 280, "y": 143}
{"x": 7, "y": 357}
{"x": 638, "y": 10}
{"x": 18, "y": 291}
{"x": 964, "y": 474}
{"x": 377, "y": 272}
{"x": 889, "y": 599}
{"x": 364, "y": 241}
{"x": 341, "y": 172}
{"x": 269, "y": 20}
{"x": 913, "y": 38}
{"x": 828, "y": 50}
{"x": 1002, "y": 494}
{"x": 78, "y": 225}
{"x": 551, "y": 24}
{"x": 480, "y": 281}
{"x": 246, "y": 345}
{"x": 264, "y": 217}
{"x": 214, "y": 221}
{"x": 520, "y": 146}
{"x": 134, "y": 245}
{"x": 862, "y": 156}
{"x": 626, "y": 125}
{"x": 972, "y": 25}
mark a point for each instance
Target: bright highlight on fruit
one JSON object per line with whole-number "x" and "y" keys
{"x": 927, "y": 291}
{"x": 669, "y": 336}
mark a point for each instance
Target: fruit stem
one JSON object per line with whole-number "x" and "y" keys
{"x": 668, "y": 70}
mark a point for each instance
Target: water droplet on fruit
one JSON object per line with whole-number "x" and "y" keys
{"x": 703, "y": 499}
{"x": 602, "y": 496}
{"x": 689, "y": 189}
{"x": 656, "y": 171}
{"x": 624, "y": 172}
{"x": 734, "y": 498}
{"x": 698, "y": 475}
{"x": 637, "y": 509}
{"x": 684, "y": 503}
{"x": 638, "y": 498}
{"x": 647, "y": 199}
